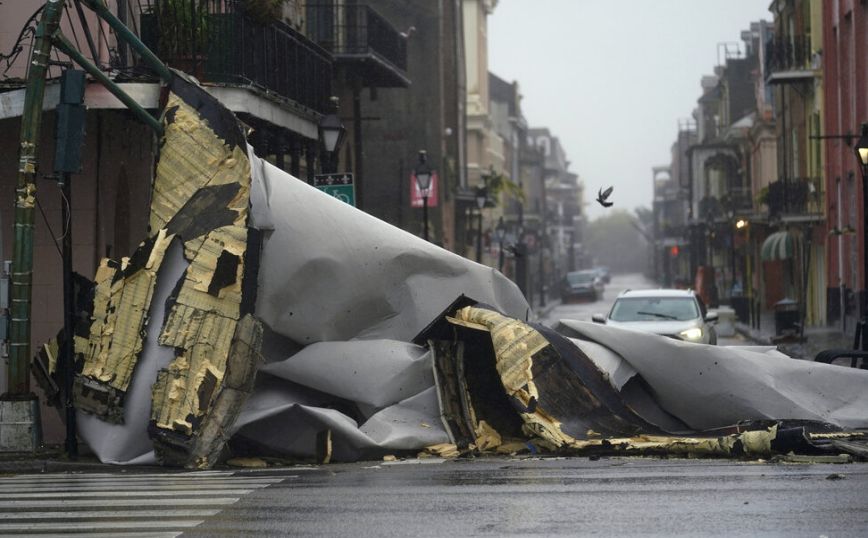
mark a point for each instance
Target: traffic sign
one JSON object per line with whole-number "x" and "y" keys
{"x": 340, "y": 186}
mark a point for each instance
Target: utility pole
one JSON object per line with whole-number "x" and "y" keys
{"x": 69, "y": 136}
{"x": 19, "y": 404}
{"x": 18, "y": 401}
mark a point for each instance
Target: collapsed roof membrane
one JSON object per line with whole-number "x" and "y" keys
{"x": 262, "y": 316}
{"x": 590, "y": 389}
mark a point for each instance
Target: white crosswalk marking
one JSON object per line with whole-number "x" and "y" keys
{"x": 119, "y": 504}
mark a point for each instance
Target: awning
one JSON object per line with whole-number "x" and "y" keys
{"x": 778, "y": 246}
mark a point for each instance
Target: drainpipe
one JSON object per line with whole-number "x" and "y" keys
{"x": 841, "y": 288}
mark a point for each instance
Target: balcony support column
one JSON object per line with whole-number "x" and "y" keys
{"x": 357, "y": 142}
{"x": 310, "y": 161}
{"x": 279, "y": 148}
{"x": 294, "y": 157}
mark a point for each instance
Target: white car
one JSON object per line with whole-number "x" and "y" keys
{"x": 678, "y": 314}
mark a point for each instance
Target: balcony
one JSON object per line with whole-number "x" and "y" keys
{"x": 796, "y": 199}
{"x": 788, "y": 59}
{"x": 216, "y": 41}
{"x": 362, "y": 41}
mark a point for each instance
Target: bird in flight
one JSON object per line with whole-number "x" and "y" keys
{"x": 603, "y": 196}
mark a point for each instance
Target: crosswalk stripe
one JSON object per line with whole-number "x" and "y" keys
{"x": 167, "y": 475}
{"x": 121, "y": 503}
{"x": 87, "y": 525}
{"x": 51, "y": 478}
{"x": 138, "y": 487}
{"x": 115, "y": 493}
{"x": 109, "y": 514}
{"x": 114, "y": 534}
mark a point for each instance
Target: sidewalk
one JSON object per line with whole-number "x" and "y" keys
{"x": 816, "y": 338}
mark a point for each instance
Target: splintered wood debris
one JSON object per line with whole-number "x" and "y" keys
{"x": 122, "y": 299}
{"x": 515, "y": 345}
{"x": 200, "y": 196}
{"x": 521, "y": 357}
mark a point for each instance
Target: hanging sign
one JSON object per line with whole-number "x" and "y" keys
{"x": 416, "y": 193}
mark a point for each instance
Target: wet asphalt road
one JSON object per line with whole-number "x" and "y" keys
{"x": 619, "y": 283}
{"x": 554, "y": 497}
{"x": 557, "y": 496}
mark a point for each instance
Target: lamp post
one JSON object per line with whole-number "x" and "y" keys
{"x": 331, "y": 135}
{"x": 862, "y": 154}
{"x": 423, "y": 181}
{"x": 500, "y": 233}
{"x": 481, "y": 198}
{"x": 730, "y": 224}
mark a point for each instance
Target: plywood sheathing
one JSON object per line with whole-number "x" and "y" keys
{"x": 193, "y": 156}
{"x": 122, "y": 299}
{"x": 201, "y": 193}
{"x": 204, "y": 447}
{"x": 515, "y": 343}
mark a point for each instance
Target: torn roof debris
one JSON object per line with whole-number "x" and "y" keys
{"x": 264, "y": 318}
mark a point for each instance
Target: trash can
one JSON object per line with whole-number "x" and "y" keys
{"x": 786, "y": 316}
{"x": 741, "y": 305}
{"x": 725, "y": 321}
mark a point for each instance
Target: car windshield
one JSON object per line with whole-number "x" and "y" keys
{"x": 580, "y": 277}
{"x": 654, "y": 309}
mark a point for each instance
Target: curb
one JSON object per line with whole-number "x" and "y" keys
{"x": 752, "y": 335}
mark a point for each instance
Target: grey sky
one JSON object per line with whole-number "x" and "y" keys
{"x": 612, "y": 79}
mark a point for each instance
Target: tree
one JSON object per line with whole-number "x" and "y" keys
{"x": 616, "y": 240}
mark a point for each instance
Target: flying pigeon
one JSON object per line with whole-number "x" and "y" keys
{"x": 602, "y": 196}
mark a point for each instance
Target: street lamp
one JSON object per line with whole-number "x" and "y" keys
{"x": 331, "y": 135}
{"x": 500, "y": 233}
{"x": 423, "y": 182}
{"x": 862, "y": 154}
{"x": 481, "y": 198}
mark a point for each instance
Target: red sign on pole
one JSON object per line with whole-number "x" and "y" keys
{"x": 416, "y": 193}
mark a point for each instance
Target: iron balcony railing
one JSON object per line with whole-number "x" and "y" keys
{"x": 795, "y": 196}
{"x": 355, "y": 30}
{"x": 219, "y": 42}
{"x": 736, "y": 201}
{"x": 788, "y": 53}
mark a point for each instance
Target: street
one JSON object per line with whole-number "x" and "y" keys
{"x": 619, "y": 283}
{"x": 489, "y": 496}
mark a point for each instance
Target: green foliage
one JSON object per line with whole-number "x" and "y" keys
{"x": 176, "y": 23}
{"x": 264, "y": 11}
{"x": 763, "y": 196}
{"x": 497, "y": 183}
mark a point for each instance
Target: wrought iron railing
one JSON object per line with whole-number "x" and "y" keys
{"x": 219, "y": 42}
{"x": 795, "y": 196}
{"x": 788, "y": 53}
{"x": 351, "y": 29}
{"x": 735, "y": 201}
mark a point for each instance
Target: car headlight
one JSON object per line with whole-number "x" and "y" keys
{"x": 694, "y": 333}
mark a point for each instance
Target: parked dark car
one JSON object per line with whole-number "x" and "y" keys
{"x": 581, "y": 286}
{"x": 603, "y": 271}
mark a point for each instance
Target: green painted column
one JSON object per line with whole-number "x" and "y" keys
{"x": 25, "y": 200}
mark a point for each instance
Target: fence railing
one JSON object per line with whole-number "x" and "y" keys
{"x": 219, "y": 42}
{"x": 795, "y": 196}
{"x": 345, "y": 29}
{"x": 788, "y": 53}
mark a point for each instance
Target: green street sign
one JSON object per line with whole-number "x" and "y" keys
{"x": 340, "y": 186}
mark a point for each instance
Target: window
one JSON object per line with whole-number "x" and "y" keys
{"x": 654, "y": 309}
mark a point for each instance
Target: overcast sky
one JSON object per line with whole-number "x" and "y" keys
{"x": 612, "y": 79}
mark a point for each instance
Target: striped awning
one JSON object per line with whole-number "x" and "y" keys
{"x": 778, "y": 246}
